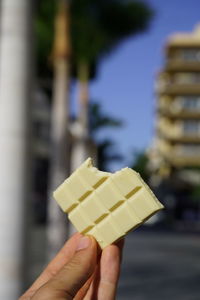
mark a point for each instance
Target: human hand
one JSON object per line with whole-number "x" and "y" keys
{"x": 78, "y": 272}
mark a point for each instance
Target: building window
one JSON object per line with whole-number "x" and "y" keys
{"x": 187, "y": 78}
{"x": 189, "y": 103}
{"x": 191, "y": 127}
{"x": 190, "y": 55}
{"x": 188, "y": 150}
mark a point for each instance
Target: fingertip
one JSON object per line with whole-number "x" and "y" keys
{"x": 112, "y": 254}
{"x": 120, "y": 243}
{"x": 85, "y": 242}
{"x": 93, "y": 240}
{"x": 94, "y": 243}
{"x": 73, "y": 238}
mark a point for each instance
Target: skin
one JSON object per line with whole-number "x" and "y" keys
{"x": 79, "y": 271}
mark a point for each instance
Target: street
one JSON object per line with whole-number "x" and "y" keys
{"x": 160, "y": 266}
{"x": 156, "y": 265}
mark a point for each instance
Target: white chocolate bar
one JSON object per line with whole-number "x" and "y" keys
{"x": 105, "y": 205}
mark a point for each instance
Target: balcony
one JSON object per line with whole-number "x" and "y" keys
{"x": 174, "y": 134}
{"x": 182, "y": 66}
{"x": 170, "y": 113}
{"x": 179, "y": 89}
{"x": 174, "y": 156}
{"x": 182, "y": 160}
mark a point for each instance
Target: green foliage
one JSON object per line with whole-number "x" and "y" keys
{"x": 122, "y": 19}
{"x": 97, "y": 27}
{"x": 140, "y": 164}
{"x": 99, "y": 120}
{"x": 107, "y": 153}
{"x": 44, "y": 30}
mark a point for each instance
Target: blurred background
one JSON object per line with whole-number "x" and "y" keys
{"x": 116, "y": 80}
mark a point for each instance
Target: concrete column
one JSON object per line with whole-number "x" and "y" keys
{"x": 14, "y": 104}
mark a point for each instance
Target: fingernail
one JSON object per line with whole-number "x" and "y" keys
{"x": 83, "y": 243}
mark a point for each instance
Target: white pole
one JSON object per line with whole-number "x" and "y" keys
{"x": 14, "y": 101}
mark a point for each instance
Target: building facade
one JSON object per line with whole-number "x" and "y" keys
{"x": 177, "y": 141}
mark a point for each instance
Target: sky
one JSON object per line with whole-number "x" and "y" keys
{"x": 126, "y": 78}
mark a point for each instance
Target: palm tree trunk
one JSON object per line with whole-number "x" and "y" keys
{"x": 83, "y": 76}
{"x": 80, "y": 146}
{"x": 14, "y": 131}
{"x": 59, "y": 162}
{"x": 80, "y": 149}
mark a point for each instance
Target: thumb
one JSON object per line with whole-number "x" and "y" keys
{"x": 73, "y": 275}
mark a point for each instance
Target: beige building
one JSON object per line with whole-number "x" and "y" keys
{"x": 177, "y": 141}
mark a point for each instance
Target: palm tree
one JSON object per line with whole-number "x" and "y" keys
{"x": 94, "y": 32}
{"x": 100, "y": 26}
{"x": 106, "y": 148}
{"x": 140, "y": 164}
{"x": 96, "y": 25}
{"x": 59, "y": 167}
